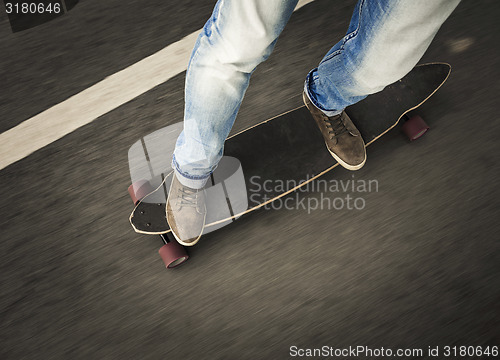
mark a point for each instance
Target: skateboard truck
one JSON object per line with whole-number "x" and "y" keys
{"x": 414, "y": 127}
{"x": 172, "y": 253}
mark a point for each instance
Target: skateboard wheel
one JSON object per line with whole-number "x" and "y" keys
{"x": 139, "y": 190}
{"x": 415, "y": 127}
{"x": 173, "y": 254}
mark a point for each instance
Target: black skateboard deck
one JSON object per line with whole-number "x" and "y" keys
{"x": 287, "y": 149}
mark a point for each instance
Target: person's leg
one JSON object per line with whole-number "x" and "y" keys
{"x": 238, "y": 36}
{"x": 385, "y": 40}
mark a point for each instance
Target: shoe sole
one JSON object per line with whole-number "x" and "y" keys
{"x": 343, "y": 163}
{"x": 192, "y": 243}
{"x": 335, "y": 156}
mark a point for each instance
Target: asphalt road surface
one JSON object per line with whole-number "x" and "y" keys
{"x": 417, "y": 267}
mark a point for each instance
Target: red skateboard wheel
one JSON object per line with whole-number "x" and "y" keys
{"x": 415, "y": 127}
{"x": 173, "y": 254}
{"x": 139, "y": 190}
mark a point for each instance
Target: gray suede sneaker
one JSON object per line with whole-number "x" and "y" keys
{"x": 186, "y": 212}
{"x": 341, "y": 137}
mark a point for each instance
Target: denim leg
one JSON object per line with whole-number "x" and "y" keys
{"x": 239, "y": 35}
{"x": 384, "y": 41}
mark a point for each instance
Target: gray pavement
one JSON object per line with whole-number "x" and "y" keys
{"x": 417, "y": 267}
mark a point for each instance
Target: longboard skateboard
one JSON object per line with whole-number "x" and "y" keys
{"x": 288, "y": 148}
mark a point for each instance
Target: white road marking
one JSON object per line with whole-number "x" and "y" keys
{"x": 99, "y": 99}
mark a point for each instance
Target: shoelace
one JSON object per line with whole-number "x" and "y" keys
{"x": 335, "y": 125}
{"x": 188, "y": 196}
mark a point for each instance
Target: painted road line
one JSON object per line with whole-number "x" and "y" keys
{"x": 99, "y": 99}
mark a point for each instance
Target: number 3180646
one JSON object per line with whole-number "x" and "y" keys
{"x": 33, "y": 8}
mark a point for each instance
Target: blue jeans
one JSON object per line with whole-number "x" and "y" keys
{"x": 384, "y": 41}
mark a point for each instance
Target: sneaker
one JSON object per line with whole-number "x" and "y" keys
{"x": 341, "y": 137}
{"x": 186, "y": 212}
